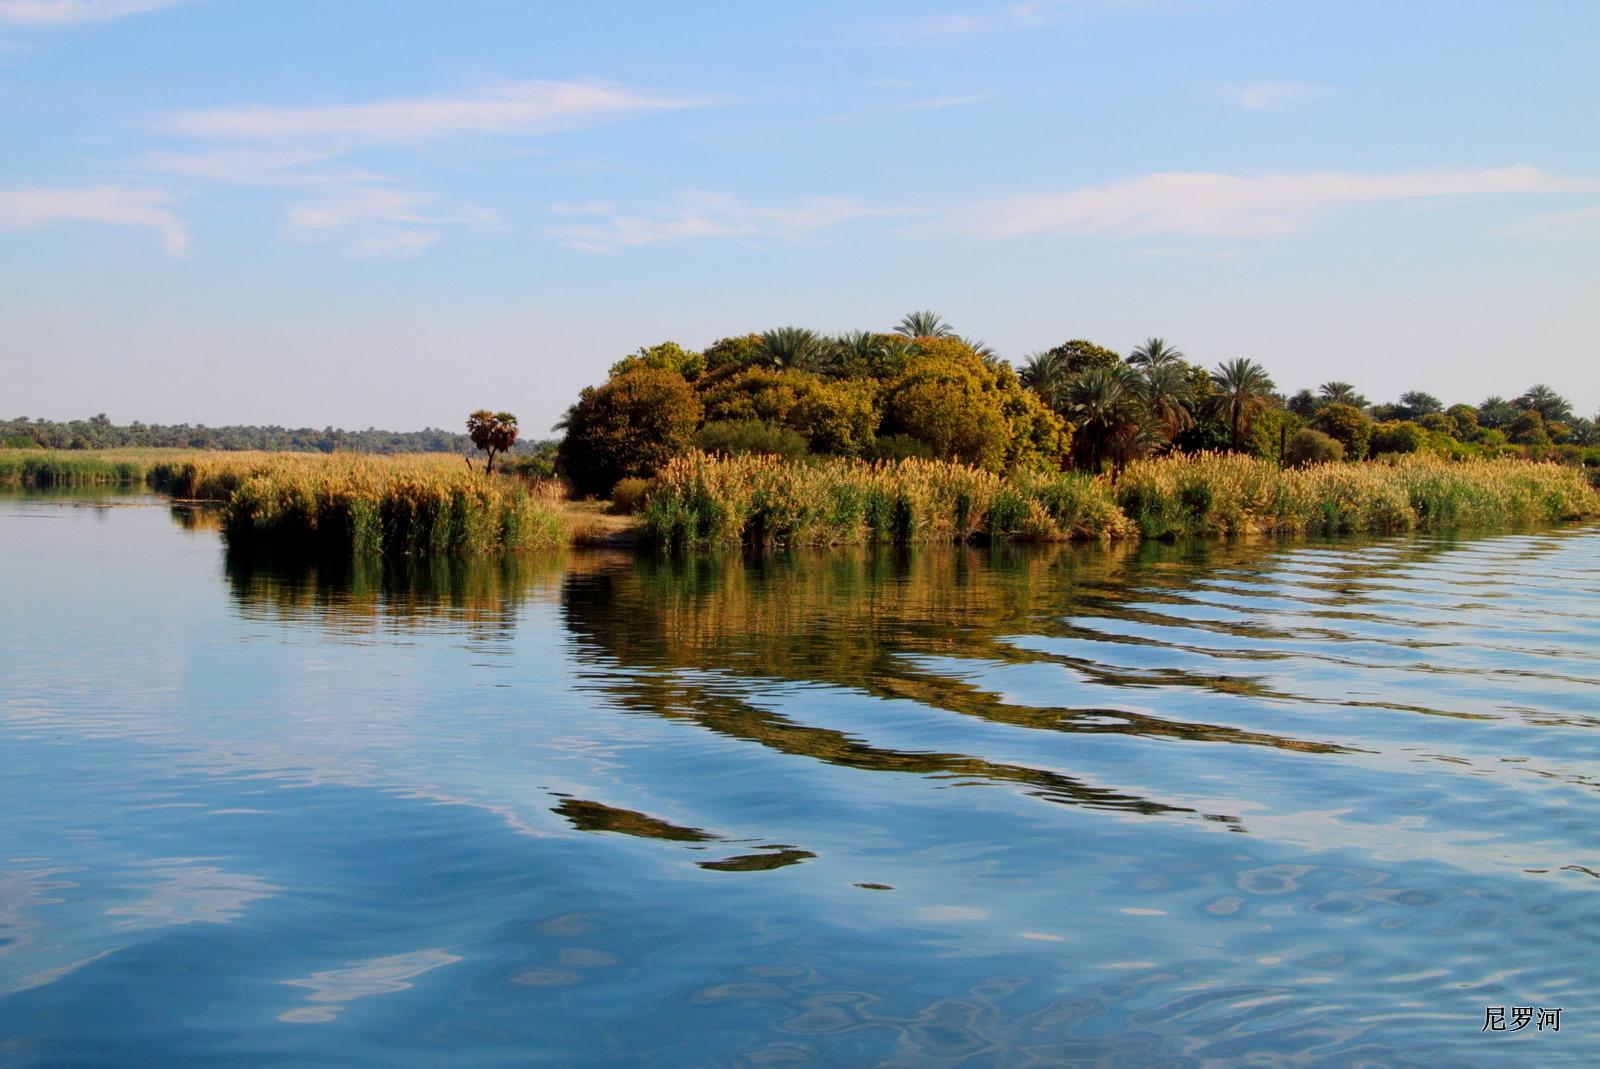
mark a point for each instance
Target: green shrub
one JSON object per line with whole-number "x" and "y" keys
{"x": 631, "y": 425}
{"x": 1347, "y": 425}
{"x": 733, "y": 437}
{"x": 1313, "y": 447}
{"x": 628, "y": 494}
{"x": 1397, "y": 436}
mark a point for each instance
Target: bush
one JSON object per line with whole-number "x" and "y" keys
{"x": 900, "y": 447}
{"x": 1398, "y": 436}
{"x": 733, "y": 437}
{"x": 1313, "y": 447}
{"x": 1347, "y": 425}
{"x": 631, "y": 425}
{"x": 629, "y": 494}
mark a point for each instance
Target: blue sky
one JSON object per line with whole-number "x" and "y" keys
{"x": 390, "y": 212}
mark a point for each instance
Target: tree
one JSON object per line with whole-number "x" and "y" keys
{"x": 1045, "y": 374}
{"x": 629, "y": 426}
{"x": 947, "y": 404}
{"x": 1497, "y": 413}
{"x": 1341, "y": 393}
{"x": 737, "y": 351}
{"x": 795, "y": 348}
{"x": 1347, "y": 425}
{"x": 1155, "y": 352}
{"x": 1078, "y": 356}
{"x": 1550, "y": 405}
{"x": 492, "y": 432}
{"x": 1167, "y": 396}
{"x": 1303, "y": 404}
{"x": 1111, "y": 423}
{"x": 1529, "y": 429}
{"x": 924, "y": 325}
{"x": 1397, "y": 436}
{"x": 1415, "y": 403}
{"x": 668, "y": 356}
{"x": 1243, "y": 389}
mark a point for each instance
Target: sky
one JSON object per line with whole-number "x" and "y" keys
{"x": 392, "y": 212}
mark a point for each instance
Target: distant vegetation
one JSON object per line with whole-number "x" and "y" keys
{"x": 922, "y": 391}
{"x": 99, "y": 432}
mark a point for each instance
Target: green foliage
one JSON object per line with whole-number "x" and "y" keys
{"x": 734, "y": 437}
{"x": 1417, "y": 403}
{"x": 900, "y": 447}
{"x": 795, "y": 348}
{"x": 1347, "y": 425}
{"x": 946, "y": 402}
{"x": 924, "y": 325}
{"x": 1397, "y": 436}
{"x": 1340, "y": 393}
{"x": 1441, "y": 423}
{"x": 1313, "y": 447}
{"x": 1497, "y": 413}
{"x": 1529, "y": 429}
{"x": 629, "y": 494}
{"x": 1078, "y": 356}
{"x": 1111, "y": 424}
{"x": 1551, "y": 406}
{"x": 1154, "y": 353}
{"x": 1240, "y": 391}
{"x": 630, "y": 425}
{"x": 834, "y": 417}
{"x": 667, "y": 356}
{"x": 492, "y": 433}
{"x": 737, "y": 351}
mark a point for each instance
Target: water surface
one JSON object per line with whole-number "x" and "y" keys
{"x": 1206, "y": 805}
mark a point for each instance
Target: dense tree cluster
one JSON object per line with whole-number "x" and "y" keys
{"x": 923, "y": 390}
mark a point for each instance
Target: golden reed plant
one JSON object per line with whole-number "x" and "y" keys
{"x": 700, "y": 500}
{"x": 340, "y": 502}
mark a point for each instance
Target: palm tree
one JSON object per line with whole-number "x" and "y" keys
{"x": 1418, "y": 403}
{"x": 1045, "y": 373}
{"x": 795, "y": 348}
{"x": 1168, "y": 397}
{"x": 1545, "y": 401}
{"x": 1154, "y": 353}
{"x": 1107, "y": 408}
{"x": 1340, "y": 393}
{"x": 924, "y": 325}
{"x": 1243, "y": 391}
{"x": 983, "y": 352}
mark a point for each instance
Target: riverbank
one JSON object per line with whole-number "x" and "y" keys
{"x": 433, "y": 503}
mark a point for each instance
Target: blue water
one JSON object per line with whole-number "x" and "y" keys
{"x": 1311, "y": 804}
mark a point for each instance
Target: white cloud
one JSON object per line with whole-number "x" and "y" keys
{"x": 1272, "y": 96}
{"x": 381, "y": 222}
{"x": 520, "y": 107}
{"x": 1205, "y": 205}
{"x": 715, "y": 215}
{"x": 1022, "y": 15}
{"x": 70, "y": 12}
{"x": 291, "y": 168}
{"x": 29, "y": 207}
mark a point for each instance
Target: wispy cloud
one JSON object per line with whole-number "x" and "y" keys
{"x": 715, "y": 215}
{"x": 70, "y": 12}
{"x": 30, "y": 207}
{"x": 513, "y": 108}
{"x": 283, "y": 168}
{"x": 381, "y": 222}
{"x": 1272, "y": 96}
{"x": 1205, "y": 205}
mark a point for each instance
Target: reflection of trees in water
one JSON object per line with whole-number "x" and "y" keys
{"x": 586, "y": 815}
{"x": 697, "y": 631}
{"x": 479, "y": 595}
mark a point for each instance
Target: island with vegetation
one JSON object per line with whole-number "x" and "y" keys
{"x": 792, "y": 437}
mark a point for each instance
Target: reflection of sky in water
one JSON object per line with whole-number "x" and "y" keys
{"x": 1180, "y": 805}
{"x": 378, "y": 976}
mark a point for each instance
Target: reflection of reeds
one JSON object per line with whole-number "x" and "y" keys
{"x": 698, "y": 500}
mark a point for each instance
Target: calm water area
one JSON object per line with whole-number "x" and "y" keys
{"x": 1205, "y": 805}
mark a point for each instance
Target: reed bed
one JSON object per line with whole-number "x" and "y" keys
{"x": 329, "y": 503}
{"x": 699, "y": 500}
{"x": 1211, "y": 494}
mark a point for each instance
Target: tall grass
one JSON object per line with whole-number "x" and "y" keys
{"x": 338, "y": 503}
{"x": 699, "y": 500}
{"x": 1230, "y": 494}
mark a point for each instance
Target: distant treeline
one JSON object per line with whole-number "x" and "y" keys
{"x": 99, "y": 432}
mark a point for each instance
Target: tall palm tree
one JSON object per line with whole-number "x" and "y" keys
{"x": 1340, "y": 393}
{"x": 924, "y": 325}
{"x": 1168, "y": 397}
{"x": 1545, "y": 401}
{"x": 982, "y": 352}
{"x": 1243, "y": 392}
{"x": 1154, "y": 353}
{"x": 795, "y": 348}
{"x": 1107, "y": 408}
{"x": 1045, "y": 373}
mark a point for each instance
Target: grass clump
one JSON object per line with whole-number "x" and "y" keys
{"x": 699, "y": 500}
